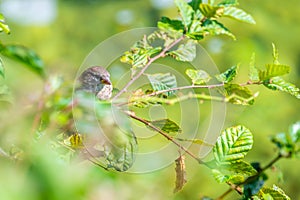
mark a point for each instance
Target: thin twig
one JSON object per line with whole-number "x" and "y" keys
{"x": 147, "y": 123}
{"x": 151, "y": 60}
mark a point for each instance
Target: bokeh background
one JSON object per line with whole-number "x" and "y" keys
{"x": 63, "y": 32}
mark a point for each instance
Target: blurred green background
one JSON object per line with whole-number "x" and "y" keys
{"x": 63, "y": 32}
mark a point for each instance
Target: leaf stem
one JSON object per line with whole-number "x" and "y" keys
{"x": 151, "y": 60}
{"x": 147, "y": 123}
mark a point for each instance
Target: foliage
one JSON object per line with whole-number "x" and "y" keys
{"x": 57, "y": 111}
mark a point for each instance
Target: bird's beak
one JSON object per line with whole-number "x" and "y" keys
{"x": 106, "y": 81}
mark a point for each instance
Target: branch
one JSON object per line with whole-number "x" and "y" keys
{"x": 147, "y": 123}
{"x": 151, "y": 60}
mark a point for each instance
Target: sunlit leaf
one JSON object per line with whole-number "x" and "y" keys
{"x": 228, "y": 75}
{"x": 228, "y": 3}
{"x": 211, "y": 11}
{"x": 238, "y": 94}
{"x": 75, "y": 141}
{"x": 3, "y": 26}
{"x": 275, "y": 192}
{"x": 174, "y": 27}
{"x": 219, "y": 176}
{"x": 241, "y": 167}
{"x": 2, "y": 70}
{"x": 167, "y": 126}
{"x": 213, "y": 27}
{"x": 278, "y": 83}
{"x": 180, "y": 173}
{"x": 162, "y": 82}
{"x": 198, "y": 77}
{"x": 185, "y": 52}
{"x": 238, "y": 14}
{"x": 26, "y": 56}
{"x": 253, "y": 71}
{"x": 185, "y": 11}
{"x": 273, "y": 70}
{"x": 232, "y": 145}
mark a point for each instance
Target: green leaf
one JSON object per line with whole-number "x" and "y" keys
{"x": 238, "y": 14}
{"x": 239, "y": 95}
{"x": 195, "y": 4}
{"x": 3, "y": 26}
{"x": 185, "y": 52}
{"x": 275, "y": 54}
{"x": 232, "y": 145}
{"x": 228, "y": 3}
{"x": 185, "y": 11}
{"x": 211, "y": 11}
{"x": 198, "y": 77}
{"x": 163, "y": 82}
{"x": 278, "y": 83}
{"x": 273, "y": 70}
{"x": 2, "y": 70}
{"x": 253, "y": 71}
{"x": 26, "y": 56}
{"x": 174, "y": 27}
{"x": 223, "y": 178}
{"x": 275, "y": 192}
{"x": 167, "y": 126}
{"x": 195, "y": 141}
{"x": 213, "y": 27}
{"x": 241, "y": 167}
{"x": 228, "y": 75}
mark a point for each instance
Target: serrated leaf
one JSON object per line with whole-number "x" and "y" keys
{"x": 278, "y": 83}
{"x": 163, "y": 82}
{"x": 253, "y": 71}
{"x": 273, "y": 70}
{"x": 167, "y": 126}
{"x": 2, "y": 70}
{"x": 228, "y": 75}
{"x": 3, "y": 26}
{"x": 211, "y": 11}
{"x": 275, "y": 192}
{"x": 213, "y": 27}
{"x": 238, "y": 94}
{"x": 174, "y": 27}
{"x": 185, "y": 11}
{"x": 198, "y": 77}
{"x": 232, "y": 145}
{"x": 185, "y": 52}
{"x": 26, "y": 56}
{"x": 238, "y": 14}
{"x": 275, "y": 54}
{"x": 228, "y": 3}
{"x": 75, "y": 141}
{"x": 241, "y": 167}
{"x": 180, "y": 173}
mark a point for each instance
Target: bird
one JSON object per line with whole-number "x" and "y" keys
{"x": 109, "y": 139}
{"x": 96, "y": 80}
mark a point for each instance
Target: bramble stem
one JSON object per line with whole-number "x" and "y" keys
{"x": 147, "y": 123}
{"x": 151, "y": 60}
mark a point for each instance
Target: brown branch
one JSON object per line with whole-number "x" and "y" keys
{"x": 151, "y": 60}
{"x": 147, "y": 123}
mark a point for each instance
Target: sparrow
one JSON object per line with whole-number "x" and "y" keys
{"x": 96, "y": 80}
